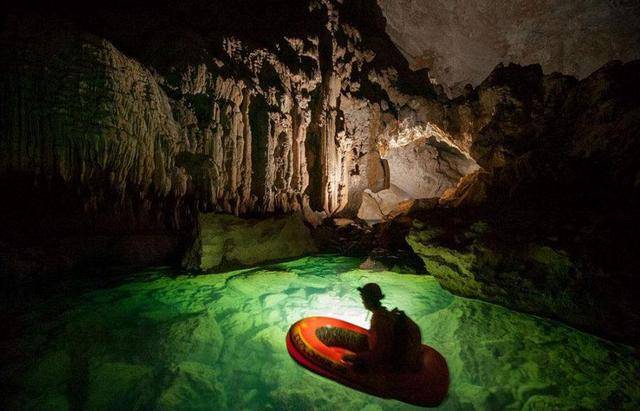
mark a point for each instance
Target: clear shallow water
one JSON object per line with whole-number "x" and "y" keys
{"x": 217, "y": 342}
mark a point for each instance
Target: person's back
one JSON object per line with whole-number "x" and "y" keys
{"x": 381, "y": 339}
{"x": 407, "y": 342}
{"x": 394, "y": 339}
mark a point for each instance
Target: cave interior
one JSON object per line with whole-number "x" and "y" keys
{"x": 185, "y": 180}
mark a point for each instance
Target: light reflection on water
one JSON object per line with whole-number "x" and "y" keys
{"x": 218, "y": 342}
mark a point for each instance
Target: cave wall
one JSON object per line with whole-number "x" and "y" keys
{"x": 122, "y": 120}
{"x": 549, "y": 224}
{"x": 196, "y": 116}
{"x": 121, "y": 125}
{"x": 461, "y": 41}
{"x": 237, "y": 127}
{"x": 76, "y": 110}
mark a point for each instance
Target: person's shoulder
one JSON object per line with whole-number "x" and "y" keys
{"x": 383, "y": 315}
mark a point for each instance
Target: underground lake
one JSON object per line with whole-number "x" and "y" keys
{"x": 205, "y": 203}
{"x": 217, "y": 342}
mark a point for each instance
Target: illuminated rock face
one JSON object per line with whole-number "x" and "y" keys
{"x": 226, "y": 241}
{"x": 384, "y": 205}
{"x": 89, "y": 115}
{"x": 300, "y": 124}
{"x": 461, "y": 41}
{"x": 426, "y": 168}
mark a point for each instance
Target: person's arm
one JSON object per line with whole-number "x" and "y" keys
{"x": 380, "y": 341}
{"x": 361, "y": 359}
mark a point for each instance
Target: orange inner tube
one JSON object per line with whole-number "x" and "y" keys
{"x": 427, "y": 387}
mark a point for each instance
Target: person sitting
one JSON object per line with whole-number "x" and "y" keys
{"x": 394, "y": 340}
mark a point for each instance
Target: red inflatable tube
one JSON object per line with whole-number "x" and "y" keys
{"x": 427, "y": 387}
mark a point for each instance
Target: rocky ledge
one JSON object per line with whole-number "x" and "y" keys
{"x": 549, "y": 225}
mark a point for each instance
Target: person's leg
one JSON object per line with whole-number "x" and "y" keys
{"x": 343, "y": 338}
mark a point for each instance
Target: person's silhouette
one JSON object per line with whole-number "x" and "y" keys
{"x": 394, "y": 340}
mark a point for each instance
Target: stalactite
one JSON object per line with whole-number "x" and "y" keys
{"x": 87, "y": 114}
{"x": 251, "y": 130}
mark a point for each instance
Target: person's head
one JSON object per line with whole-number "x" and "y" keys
{"x": 371, "y": 295}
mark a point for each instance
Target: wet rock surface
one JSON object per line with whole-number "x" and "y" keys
{"x": 225, "y": 241}
{"x": 536, "y": 268}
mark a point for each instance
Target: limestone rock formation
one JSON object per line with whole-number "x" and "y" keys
{"x": 74, "y": 108}
{"x": 461, "y": 41}
{"x": 118, "y": 126}
{"x": 549, "y": 225}
{"x": 384, "y": 205}
{"x": 225, "y": 241}
{"x": 87, "y": 158}
{"x": 426, "y": 167}
{"x": 142, "y": 125}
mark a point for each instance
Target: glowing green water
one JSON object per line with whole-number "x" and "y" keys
{"x": 217, "y": 342}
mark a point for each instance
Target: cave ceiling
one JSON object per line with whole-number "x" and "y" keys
{"x": 461, "y": 41}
